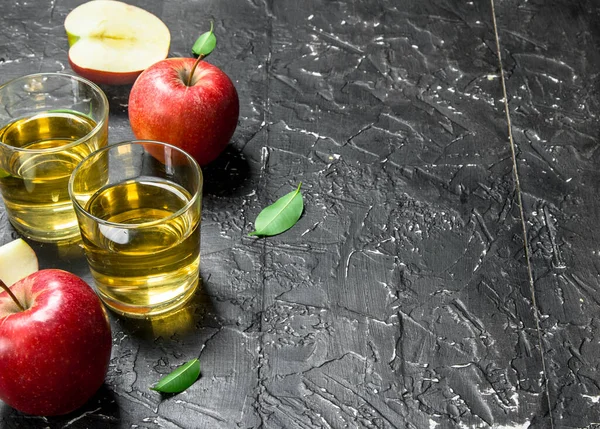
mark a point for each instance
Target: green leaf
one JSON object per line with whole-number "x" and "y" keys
{"x": 205, "y": 43}
{"x": 180, "y": 379}
{"x": 281, "y": 215}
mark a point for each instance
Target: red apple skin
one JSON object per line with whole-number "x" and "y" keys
{"x": 105, "y": 77}
{"x": 200, "y": 119}
{"x": 54, "y": 355}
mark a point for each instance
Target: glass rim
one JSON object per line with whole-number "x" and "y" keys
{"x": 93, "y": 132}
{"x": 195, "y": 197}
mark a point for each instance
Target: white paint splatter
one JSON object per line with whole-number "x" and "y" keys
{"x": 594, "y": 399}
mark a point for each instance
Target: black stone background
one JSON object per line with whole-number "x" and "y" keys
{"x": 403, "y": 296}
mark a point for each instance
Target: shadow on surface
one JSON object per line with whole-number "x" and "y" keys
{"x": 227, "y": 174}
{"x": 183, "y": 322}
{"x": 84, "y": 417}
{"x": 118, "y": 99}
{"x": 68, "y": 257}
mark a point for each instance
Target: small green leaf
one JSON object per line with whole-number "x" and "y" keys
{"x": 281, "y": 215}
{"x": 205, "y": 43}
{"x": 180, "y": 379}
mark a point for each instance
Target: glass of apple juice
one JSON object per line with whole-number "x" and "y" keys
{"x": 140, "y": 224}
{"x": 49, "y": 122}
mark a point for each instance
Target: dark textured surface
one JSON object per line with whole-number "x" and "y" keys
{"x": 403, "y": 297}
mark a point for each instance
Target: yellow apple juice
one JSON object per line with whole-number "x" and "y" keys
{"x": 144, "y": 247}
{"x": 36, "y": 161}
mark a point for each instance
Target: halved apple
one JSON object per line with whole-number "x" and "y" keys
{"x": 17, "y": 261}
{"x": 112, "y": 42}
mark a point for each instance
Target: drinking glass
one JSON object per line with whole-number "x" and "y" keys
{"x": 139, "y": 205}
{"x": 49, "y": 122}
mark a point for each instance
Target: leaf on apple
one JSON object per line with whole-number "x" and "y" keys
{"x": 205, "y": 44}
{"x": 180, "y": 379}
{"x": 281, "y": 215}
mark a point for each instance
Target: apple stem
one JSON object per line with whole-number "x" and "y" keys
{"x": 12, "y": 295}
{"x": 189, "y": 81}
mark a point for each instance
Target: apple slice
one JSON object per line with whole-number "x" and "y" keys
{"x": 17, "y": 260}
{"x": 112, "y": 42}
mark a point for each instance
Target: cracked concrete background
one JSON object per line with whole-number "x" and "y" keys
{"x": 403, "y": 296}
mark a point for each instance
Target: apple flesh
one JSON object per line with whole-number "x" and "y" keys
{"x": 200, "y": 118}
{"x": 112, "y": 42}
{"x": 53, "y": 355}
{"x": 17, "y": 260}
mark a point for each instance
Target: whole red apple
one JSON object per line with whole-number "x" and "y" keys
{"x": 54, "y": 354}
{"x": 199, "y": 118}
